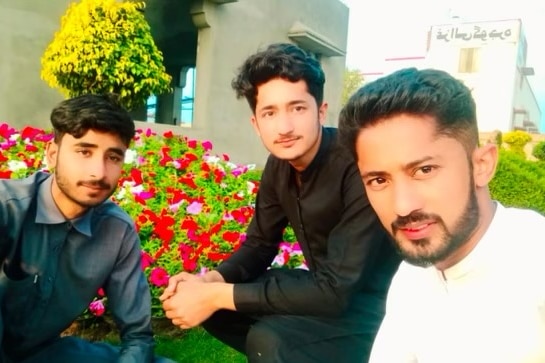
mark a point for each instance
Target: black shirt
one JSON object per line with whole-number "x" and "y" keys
{"x": 347, "y": 250}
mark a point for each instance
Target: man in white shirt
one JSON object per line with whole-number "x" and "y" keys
{"x": 472, "y": 286}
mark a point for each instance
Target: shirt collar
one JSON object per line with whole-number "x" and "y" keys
{"x": 47, "y": 211}
{"x": 480, "y": 253}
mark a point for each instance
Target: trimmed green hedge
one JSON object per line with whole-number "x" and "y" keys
{"x": 519, "y": 182}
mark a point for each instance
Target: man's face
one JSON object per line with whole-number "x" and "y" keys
{"x": 289, "y": 121}
{"x": 420, "y": 185}
{"x": 87, "y": 170}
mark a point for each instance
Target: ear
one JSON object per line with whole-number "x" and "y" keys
{"x": 485, "y": 160}
{"x": 253, "y": 120}
{"x": 322, "y": 113}
{"x": 51, "y": 153}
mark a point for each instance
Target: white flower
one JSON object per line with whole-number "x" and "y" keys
{"x": 15, "y": 165}
{"x": 130, "y": 156}
{"x": 250, "y": 186}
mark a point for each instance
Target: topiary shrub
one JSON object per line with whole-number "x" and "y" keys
{"x": 105, "y": 46}
{"x": 517, "y": 140}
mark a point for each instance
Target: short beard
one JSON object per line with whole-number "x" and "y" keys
{"x": 451, "y": 240}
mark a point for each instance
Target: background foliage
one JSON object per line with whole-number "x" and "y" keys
{"x": 191, "y": 207}
{"x": 105, "y": 46}
{"x": 352, "y": 81}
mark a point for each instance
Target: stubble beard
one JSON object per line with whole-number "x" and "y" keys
{"x": 70, "y": 193}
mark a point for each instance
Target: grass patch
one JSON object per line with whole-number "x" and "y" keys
{"x": 187, "y": 346}
{"x": 196, "y": 346}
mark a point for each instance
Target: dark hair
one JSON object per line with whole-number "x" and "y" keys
{"x": 410, "y": 91}
{"x": 281, "y": 60}
{"x": 76, "y": 116}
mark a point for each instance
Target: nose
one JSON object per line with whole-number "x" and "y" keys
{"x": 285, "y": 124}
{"x": 407, "y": 199}
{"x": 97, "y": 169}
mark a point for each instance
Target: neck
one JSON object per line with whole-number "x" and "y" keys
{"x": 68, "y": 208}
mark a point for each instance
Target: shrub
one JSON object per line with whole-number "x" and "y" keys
{"x": 105, "y": 46}
{"x": 191, "y": 208}
{"x": 517, "y": 140}
{"x": 538, "y": 151}
{"x": 519, "y": 182}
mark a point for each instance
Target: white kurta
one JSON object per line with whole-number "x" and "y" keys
{"x": 489, "y": 308}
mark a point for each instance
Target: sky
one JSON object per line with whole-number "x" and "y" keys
{"x": 397, "y": 28}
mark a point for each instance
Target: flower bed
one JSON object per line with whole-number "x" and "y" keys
{"x": 191, "y": 207}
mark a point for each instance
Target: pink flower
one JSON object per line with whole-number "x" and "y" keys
{"x": 207, "y": 145}
{"x": 159, "y": 277}
{"x": 146, "y": 260}
{"x": 194, "y": 208}
{"x": 97, "y": 307}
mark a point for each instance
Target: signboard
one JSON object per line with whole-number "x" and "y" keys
{"x": 476, "y": 34}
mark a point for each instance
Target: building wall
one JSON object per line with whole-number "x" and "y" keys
{"x": 231, "y": 32}
{"x": 228, "y": 31}
{"x": 526, "y": 111}
{"x": 26, "y": 28}
{"x": 499, "y": 84}
{"x": 496, "y": 44}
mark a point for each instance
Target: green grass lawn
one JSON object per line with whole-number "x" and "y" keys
{"x": 184, "y": 346}
{"x": 196, "y": 346}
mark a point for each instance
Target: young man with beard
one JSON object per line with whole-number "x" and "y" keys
{"x": 471, "y": 288}
{"x": 62, "y": 239}
{"x": 332, "y": 311}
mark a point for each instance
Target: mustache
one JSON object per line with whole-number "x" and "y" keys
{"x": 287, "y": 138}
{"x": 413, "y": 217}
{"x": 101, "y": 184}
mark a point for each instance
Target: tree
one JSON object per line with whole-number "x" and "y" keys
{"x": 105, "y": 46}
{"x": 353, "y": 80}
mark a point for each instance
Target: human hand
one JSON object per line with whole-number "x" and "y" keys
{"x": 193, "y": 302}
{"x": 173, "y": 282}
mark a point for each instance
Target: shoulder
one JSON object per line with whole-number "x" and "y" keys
{"x": 18, "y": 189}
{"x": 510, "y": 222}
{"x": 527, "y": 217}
{"x": 338, "y": 154}
{"x": 113, "y": 213}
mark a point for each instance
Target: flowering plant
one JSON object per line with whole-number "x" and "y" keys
{"x": 191, "y": 207}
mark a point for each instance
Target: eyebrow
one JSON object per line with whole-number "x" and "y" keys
{"x": 291, "y": 103}
{"x": 115, "y": 150}
{"x": 406, "y": 167}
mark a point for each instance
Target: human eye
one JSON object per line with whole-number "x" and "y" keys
{"x": 267, "y": 114}
{"x": 84, "y": 152}
{"x": 425, "y": 171}
{"x": 299, "y": 108}
{"x": 115, "y": 158}
{"x": 376, "y": 183}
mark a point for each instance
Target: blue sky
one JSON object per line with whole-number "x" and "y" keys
{"x": 390, "y": 28}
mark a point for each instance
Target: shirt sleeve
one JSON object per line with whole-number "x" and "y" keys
{"x": 130, "y": 301}
{"x": 264, "y": 234}
{"x": 359, "y": 257}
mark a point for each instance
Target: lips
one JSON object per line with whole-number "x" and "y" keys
{"x": 417, "y": 231}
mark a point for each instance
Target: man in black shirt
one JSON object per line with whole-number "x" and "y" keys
{"x": 332, "y": 311}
